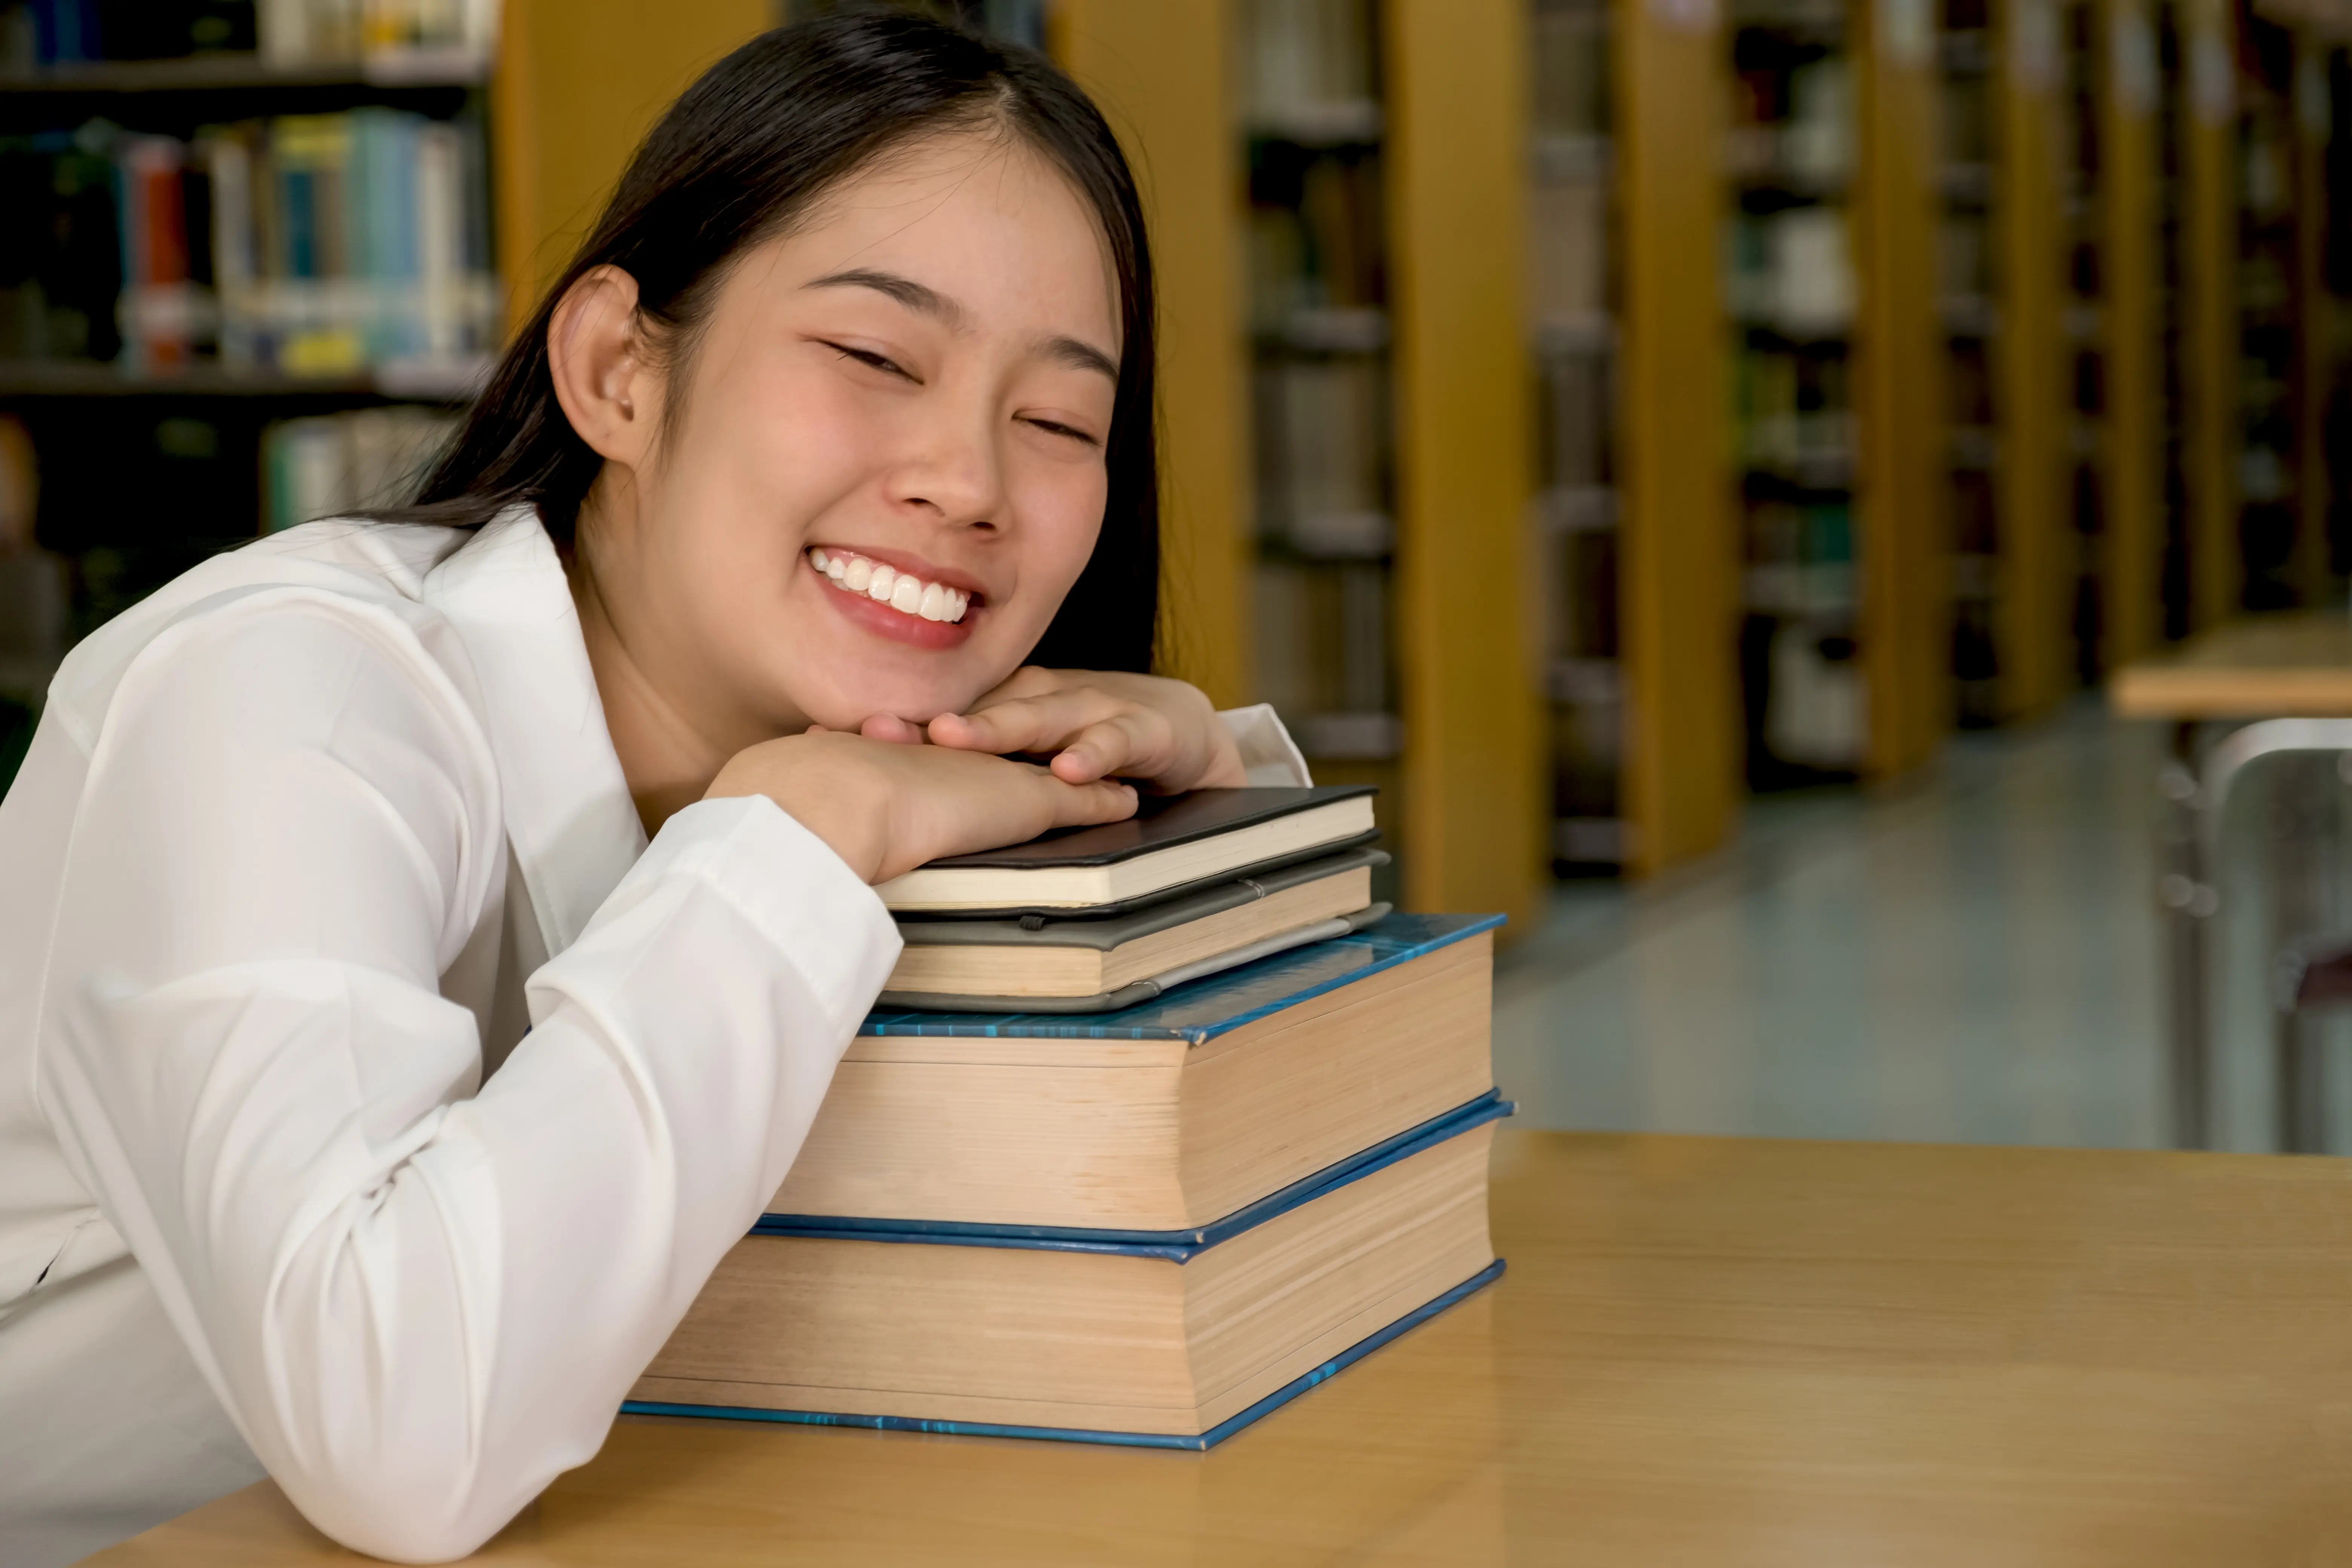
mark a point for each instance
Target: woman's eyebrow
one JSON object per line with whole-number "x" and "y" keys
{"x": 1078, "y": 355}
{"x": 915, "y": 296}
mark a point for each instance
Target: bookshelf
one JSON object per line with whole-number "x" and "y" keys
{"x": 315, "y": 230}
{"x": 1574, "y": 286}
{"x": 2002, "y": 255}
{"x": 2273, "y": 306}
{"x": 2204, "y": 37}
{"x": 1632, "y": 522}
{"x": 1162, "y": 75}
{"x": 2131, "y": 536}
{"x": 1845, "y": 648}
{"x": 1331, "y": 184}
{"x": 267, "y": 232}
{"x": 2288, "y": 309}
{"x": 2320, "y": 384}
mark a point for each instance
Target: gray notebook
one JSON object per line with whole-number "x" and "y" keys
{"x": 1207, "y": 930}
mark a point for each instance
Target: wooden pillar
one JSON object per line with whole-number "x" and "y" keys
{"x": 1457, "y": 148}
{"x": 1162, "y": 78}
{"x": 2209, "y": 331}
{"x": 1677, "y": 573}
{"x": 1901, "y": 526}
{"x": 577, "y": 85}
{"x": 2034, "y": 596}
{"x": 2132, "y": 537}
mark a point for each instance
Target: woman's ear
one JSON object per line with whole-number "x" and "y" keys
{"x": 596, "y": 354}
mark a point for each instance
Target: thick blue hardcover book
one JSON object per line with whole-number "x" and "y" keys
{"x": 1177, "y": 1247}
{"x": 1195, "y": 1013}
{"x": 1217, "y": 1004}
{"x": 1195, "y": 1444}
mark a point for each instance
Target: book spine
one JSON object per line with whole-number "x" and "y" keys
{"x": 283, "y": 27}
{"x": 439, "y": 221}
{"x": 154, "y": 311}
{"x": 230, "y": 165}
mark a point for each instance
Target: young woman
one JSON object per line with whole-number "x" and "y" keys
{"x": 427, "y": 938}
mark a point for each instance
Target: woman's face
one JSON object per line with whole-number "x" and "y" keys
{"x": 888, "y": 469}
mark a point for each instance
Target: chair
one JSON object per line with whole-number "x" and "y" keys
{"x": 2311, "y": 976}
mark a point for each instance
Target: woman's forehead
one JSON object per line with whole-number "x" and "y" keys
{"x": 980, "y": 219}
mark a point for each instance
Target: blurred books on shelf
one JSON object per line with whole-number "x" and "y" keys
{"x": 1321, "y": 452}
{"x": 306, "y": 246}
{"x": 1322, "y": 413}
{"x": 353, "y": 239}
{"x": 1791, "y": 279}
{"x": 1571, "y": 303}
{"x": 426, "y": 34}
{"x": 1309, "y": 70}
{"x": 385, "y": 40}
{"x": 339, "y": 463}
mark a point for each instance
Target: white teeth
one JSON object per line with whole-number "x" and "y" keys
{"x": 902, "y": 591}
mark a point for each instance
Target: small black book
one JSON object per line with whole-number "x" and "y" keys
{"x": 1170, "y": 844}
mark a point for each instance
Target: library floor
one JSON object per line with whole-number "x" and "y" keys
{"x": 1971, "y": 956}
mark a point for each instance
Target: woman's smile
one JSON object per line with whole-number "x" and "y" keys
{"x": 897, "y": 596}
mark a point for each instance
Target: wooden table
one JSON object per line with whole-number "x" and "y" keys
{"x": 2299, "y": 663}
{"x": 1705, "y": 1352}
{"x": 2287, "y": 679}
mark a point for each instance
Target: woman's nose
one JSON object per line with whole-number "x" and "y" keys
{"x": 955, "y": 470}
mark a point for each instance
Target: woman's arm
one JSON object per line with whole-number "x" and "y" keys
{"x": 418, "y": 1302}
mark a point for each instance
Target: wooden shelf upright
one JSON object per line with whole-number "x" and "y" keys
{"x": 2034, "y": 566}
{"x": 1162, "y": 75}
{"x": 1901, "y": 422}
{"x": 1679, "y": 566}
{"x": 578, "y": 84}
{"x": 1457, "y": 96}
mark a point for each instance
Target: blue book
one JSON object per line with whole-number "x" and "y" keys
{"x": 1156, "y": 1341}
{"x": 65, "y": 32}
{"x": 1162, "y": 1119}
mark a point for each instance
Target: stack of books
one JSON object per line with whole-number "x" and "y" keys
{"x": 1233, "y": 1138}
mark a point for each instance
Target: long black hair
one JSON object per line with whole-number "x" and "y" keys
{"x": 747, "y": 149}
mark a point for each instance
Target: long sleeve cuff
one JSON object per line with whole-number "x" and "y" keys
{"x": 1269, "y": 756}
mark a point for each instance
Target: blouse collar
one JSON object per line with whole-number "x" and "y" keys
{"x": 569, "y": 817}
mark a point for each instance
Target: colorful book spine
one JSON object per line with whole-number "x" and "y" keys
{"x": 156, "y": 310}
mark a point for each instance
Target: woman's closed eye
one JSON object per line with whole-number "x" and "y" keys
{"x": 1056, "y": 427}
{"x": 882, "y": 363}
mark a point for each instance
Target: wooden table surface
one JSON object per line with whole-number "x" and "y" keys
{"x": 2296, "y": 665}
{"x": 1705, "y": 1352}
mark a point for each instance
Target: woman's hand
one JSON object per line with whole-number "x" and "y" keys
{"x": 1098, "y": 725}
{"x": 886, "y": 809}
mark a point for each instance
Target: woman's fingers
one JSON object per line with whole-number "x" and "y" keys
{"x": 1040, "y": 723}
{"x": 890, "y": 727}
{"x": 1133, "y": 740}
{"x": 1084, "y": 804}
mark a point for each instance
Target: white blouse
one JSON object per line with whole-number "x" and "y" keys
{"x": 304, "y": 844}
